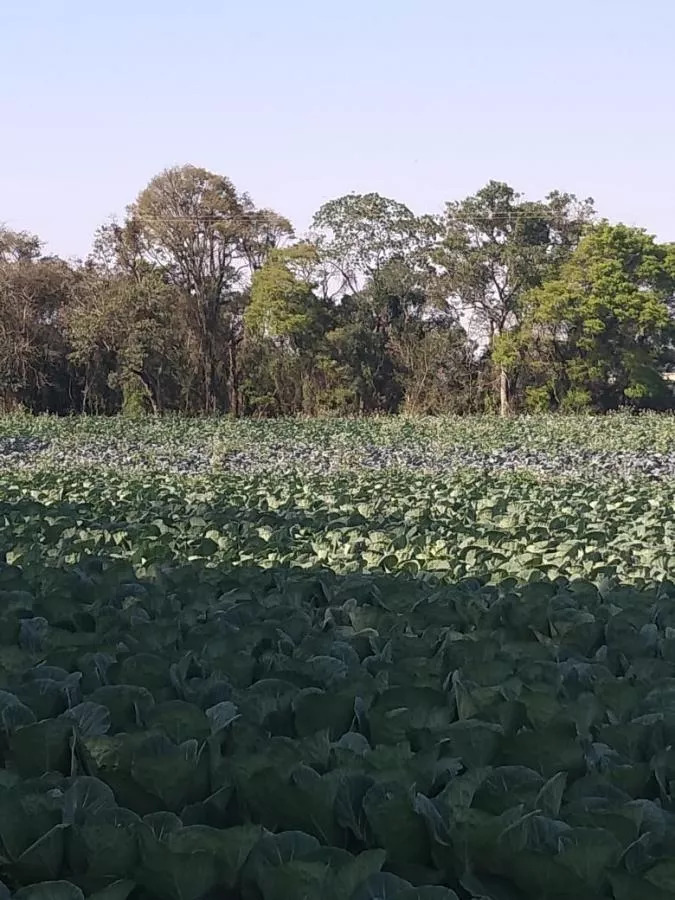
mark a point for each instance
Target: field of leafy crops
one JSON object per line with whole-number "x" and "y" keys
{"x": 354, "y": 660}
{"x": 614, "y": 446}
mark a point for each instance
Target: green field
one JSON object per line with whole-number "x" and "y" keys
{"x": 337, "y": 660}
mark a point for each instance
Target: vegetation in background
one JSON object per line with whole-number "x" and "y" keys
{"x": 200, "y": 302}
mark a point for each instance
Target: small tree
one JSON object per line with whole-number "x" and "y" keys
{"x": 285, "y": 321}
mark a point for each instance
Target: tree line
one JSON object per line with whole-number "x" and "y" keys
{"x": 200, "y": 302}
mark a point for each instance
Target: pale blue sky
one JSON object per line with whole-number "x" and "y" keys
{"x": 299, "y": 102}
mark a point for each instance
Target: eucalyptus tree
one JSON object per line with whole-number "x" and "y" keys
{"x": 494, "y": 248}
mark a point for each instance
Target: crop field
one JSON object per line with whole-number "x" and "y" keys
{"x": 379, "y": 659}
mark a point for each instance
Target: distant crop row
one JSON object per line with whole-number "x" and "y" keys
{"x": 614, "y": 446}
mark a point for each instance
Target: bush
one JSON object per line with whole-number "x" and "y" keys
{"x": 576, "y": 400}
{"x": 538, "y": 399}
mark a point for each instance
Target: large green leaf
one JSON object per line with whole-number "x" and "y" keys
{"x": 550, "y": 796}
{"x": 298, "y": 878}
{"x": 43, "y": 860}
{"x": 382, "y": 886}
{"x": 177, "y": 775}
{"x": 589, "y": 853}
{"x": 474, "y": 742}
{"x": 628, "y": 887}
{"x": 104, "y": 844}
{"x": 50, "y": 890}
{"x": 28, "y": 811}
{"x": 13, "y": 713}
{"x": 86, "y": 797}
{"x": 316, "y": 710}
{"x": 118, "y": 890}
{"x": 355, "y": 872}
{"x": 179, "y": 721}
{"x": 273, "y": 851}
{"x": 349, "y": 810}
{"x": 229, "y": 847}
{"x": 662, "y": 875}
{"x": 128, "y": 705}
{"x": 42, "y": 747}
{"x": 91, "y": 719}
{"x": 506, "y": 786}
{"x": 304, "y": 801}
{"x": 178, "y": 876}
{"x": 395, "y": 825}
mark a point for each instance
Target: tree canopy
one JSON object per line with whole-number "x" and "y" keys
{"x": 200, "y": 301}
{"x": 603, "y": 325}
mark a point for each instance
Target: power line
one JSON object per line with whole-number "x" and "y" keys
{"x": 497, "y": 217}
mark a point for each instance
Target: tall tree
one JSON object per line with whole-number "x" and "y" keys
{"x": 495, "y": 247}
{"x": 376, "y": 257}
{"x": 18, "y": 246}
{"x": 127, "y": 334}
{"x": 207, "y": 237}
{"x": 359, "y": 235}
{"x": 34, "y": 292}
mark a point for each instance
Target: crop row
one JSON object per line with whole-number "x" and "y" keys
{"x": 394, "y": 522}
{"x": 613, "y": 447}
{"x": 156, "y": 734}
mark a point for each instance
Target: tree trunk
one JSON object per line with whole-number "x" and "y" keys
{"x": 207, "y": 383}
{"x": 234, "y": 379}
{"x": 208, "y": 354}
{"x": 504, "y": 409}
{"x": 210, "y": 394}
{"x": 149, "y": 389}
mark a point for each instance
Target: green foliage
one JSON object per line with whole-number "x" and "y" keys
{"x": 199, "y": 302}
{"x": 538, "y": 399}
{"x": 134, "y": 403}
{"x": 604, "y": 323}
{"x": 576, "y": 400}
{"x": 343, "y": 684}
{"x": 282, "y": 303}
{"x": 360, "y": 236}
{"x": 494, "y": 248}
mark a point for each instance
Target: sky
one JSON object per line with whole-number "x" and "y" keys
{"x": 299, "y": 102}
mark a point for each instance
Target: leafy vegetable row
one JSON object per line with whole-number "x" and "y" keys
{"x": 491, "y": 740}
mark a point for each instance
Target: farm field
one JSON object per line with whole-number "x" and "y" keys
{"x": 345, "y": 660}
